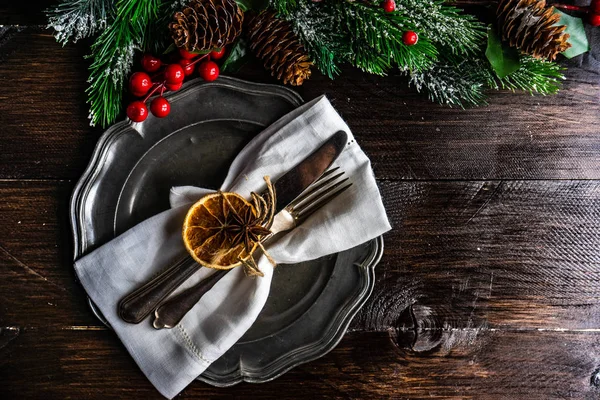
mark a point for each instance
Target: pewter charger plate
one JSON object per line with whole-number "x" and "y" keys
{"x": 128, "y": 180}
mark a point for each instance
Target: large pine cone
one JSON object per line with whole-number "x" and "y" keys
{"x": 206, "y": 24}
{"x": 530, "y": 26}
{"x": 274, "y": 42}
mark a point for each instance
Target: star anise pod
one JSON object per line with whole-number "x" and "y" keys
{"x": 246, "y": 228}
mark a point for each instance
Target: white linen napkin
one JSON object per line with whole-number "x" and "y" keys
{"x": 172, "y": 358}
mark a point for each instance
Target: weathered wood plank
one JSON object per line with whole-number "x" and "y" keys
{"x": 38, "y": 284}
{"x": 490, "y": 254}
{"x": 516, "y": 137}
{"x": 491, "y": 365}
{"x": 45, "y": 133}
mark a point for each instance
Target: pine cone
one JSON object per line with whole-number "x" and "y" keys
{"x": 530, "y": 26}
{"x": 206, "y": 24}
{"x": 274, "y": 42}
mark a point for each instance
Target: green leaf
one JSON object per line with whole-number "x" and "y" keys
{"x": 202, "y": 52}
{"x": 503, "y": 58}
{"x": 238, "y": 56}
{"x": 170, "y": 49}
{"x": 254, "y": 5}
{"x": 577, "y": 36}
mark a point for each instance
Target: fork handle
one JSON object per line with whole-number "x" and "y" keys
{"x": 137, "y": 305}
{"x": 173, "y": 310}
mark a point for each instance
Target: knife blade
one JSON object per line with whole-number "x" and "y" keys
{"x": 137, "y": 305}
{"x": 292, "y": 183}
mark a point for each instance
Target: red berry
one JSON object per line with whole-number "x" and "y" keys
{"x": 160, "y": 107}
{"x": 186, "y": 54}
{"x": 594, "y": 19}
{"x": 595, "y": 7}
{"x": 174, "y": 73}
{"x": 137, "y": 111}
{"x": 389, "y": 5}
{"x": 188, "y": 68}
{"x": 410, "y": 38}
{"x": 139, "y": 83}
{"x": 208, "y": 70}
{"x": 217, "y": 54}
{"x": 174, "y": 86}
{"x": 151, "y": 63}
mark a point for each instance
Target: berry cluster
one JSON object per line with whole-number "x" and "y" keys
{"x": 171, "y": 77}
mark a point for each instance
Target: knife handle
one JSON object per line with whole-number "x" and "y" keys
{"x": 137, "y": 305}
{"x": 169, "y": 313}
{"x": 173, "y": 310}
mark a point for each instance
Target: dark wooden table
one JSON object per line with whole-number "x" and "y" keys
{"x": 490, "y": 282}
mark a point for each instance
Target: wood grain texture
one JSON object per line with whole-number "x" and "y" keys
{"x": 490, "y": 254}
{"x": 500, "y": 365}
{"x": 516, "y": 137}
{"x": 38, "y": 285}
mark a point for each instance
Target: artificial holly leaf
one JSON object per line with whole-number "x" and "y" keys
{"x": 577, "y": 36}
{"x": 170, "y": 49}
{"x": 205, "y": 51}
{"x": 503, "y": 58}
{"x": 238, "y": 56}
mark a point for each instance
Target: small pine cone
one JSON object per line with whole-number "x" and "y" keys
{"x": 529, "y": 26}
{"x": 274, "y": 42}
{"x": 206, "y": 24}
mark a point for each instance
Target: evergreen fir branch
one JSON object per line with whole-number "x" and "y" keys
{"x": 78, "y": 19}
{"x": 324, "y": 59}
{"x": 461, "y": 83}
{"x": 382, "y": 32}
{"x": 285, "y": 7}
{"x": 444, "y": 25}
{"x": 369, "y": 60}
{"x": 453, "y": 84}
{"x": 113, "y": 53}
{"x": 336, "y": 31}
{"x": 534, "y": 76}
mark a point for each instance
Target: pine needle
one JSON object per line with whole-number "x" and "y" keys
{"x": 455, "y": 85}
{"x": 461, "y": 83}
{"x": 444, "y": 25}
{"x": 382, "y": 33}
{"x": 112, "y": 54}
{"x": 534, "y": 76}
{"x": 75, "y": 20}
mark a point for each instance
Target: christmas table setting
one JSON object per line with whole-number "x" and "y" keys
{"x": 219, "y": 198}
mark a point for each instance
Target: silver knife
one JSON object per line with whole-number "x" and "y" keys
{"x": 136, "y": 306}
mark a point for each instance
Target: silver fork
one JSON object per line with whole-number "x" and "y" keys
{"x": 324, "y": 190}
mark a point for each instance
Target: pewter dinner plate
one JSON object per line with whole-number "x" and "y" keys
{"x": 128, "y": 180}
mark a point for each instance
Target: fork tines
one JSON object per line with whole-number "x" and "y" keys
{"x": 324, "y": 190}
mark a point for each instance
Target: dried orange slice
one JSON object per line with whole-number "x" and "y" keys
{"x": 223, "y": 230}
